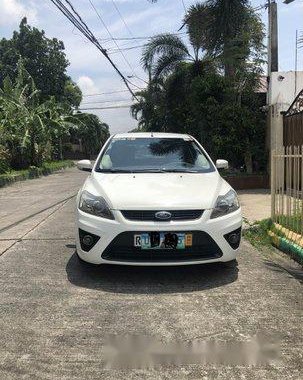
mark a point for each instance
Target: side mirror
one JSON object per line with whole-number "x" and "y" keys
{"x": 221, "y": 164}
{"x": 85, "y": 165}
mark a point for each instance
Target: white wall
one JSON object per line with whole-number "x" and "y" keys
{"x": 281, "y": 94}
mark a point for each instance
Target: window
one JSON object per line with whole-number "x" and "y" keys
{"x": 153, "y": 155}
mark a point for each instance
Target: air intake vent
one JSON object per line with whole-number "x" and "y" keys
{"x": 150, "y": 215}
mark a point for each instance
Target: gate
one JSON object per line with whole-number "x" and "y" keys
{"x": 293, "y": 123}
{"x": 286, "y": 189}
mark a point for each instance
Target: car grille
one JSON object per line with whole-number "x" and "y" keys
{"x": 149, "y": 215}
{"x": 122, "y": 249}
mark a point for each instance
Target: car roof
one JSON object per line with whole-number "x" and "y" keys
{"x": 152, "y": 134}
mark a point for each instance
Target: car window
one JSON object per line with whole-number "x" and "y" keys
{"x": 153, "y": 154}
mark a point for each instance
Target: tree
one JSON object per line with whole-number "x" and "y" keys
{"x": 149, "y": 108}
{"x": 43, "y": 58}
{"x": 208, "y": 89}
{"x": 227, "y": 31}
{"x": 91, "y": 131}
{"x": 30, "y": 129}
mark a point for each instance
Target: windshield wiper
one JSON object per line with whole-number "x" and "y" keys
{"x": 114, "y": 171}
{"x": 155, "y": 170}
{"x": 180, "y": 171}
{"x": 149, "y": 171}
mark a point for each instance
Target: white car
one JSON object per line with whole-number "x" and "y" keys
{"x": 156, "y": 199}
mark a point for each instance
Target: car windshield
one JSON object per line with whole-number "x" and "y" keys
{"x": 137, "y": 155}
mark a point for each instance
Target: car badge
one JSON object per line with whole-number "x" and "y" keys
{"x": 163, "y": 215}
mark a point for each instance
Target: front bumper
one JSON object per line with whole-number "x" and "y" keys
{"x": 108, "y": 231}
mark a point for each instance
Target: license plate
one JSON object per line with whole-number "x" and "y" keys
{"x": 163, "y": 240}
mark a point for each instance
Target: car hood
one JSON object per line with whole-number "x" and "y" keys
{"x": 160, "y": 191}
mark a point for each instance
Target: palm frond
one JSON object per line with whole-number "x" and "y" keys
{"x": 198, "y": 21}
{"x": 162, "y": 45}
{"x": 166, "y": 64}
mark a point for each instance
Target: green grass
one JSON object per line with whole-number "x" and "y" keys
{"x": 293, "y": 222}
{"x": 33, "y": 172}
{"x": 257, "y": 234}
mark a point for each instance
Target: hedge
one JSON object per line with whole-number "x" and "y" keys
{"x": 34, "y": 172}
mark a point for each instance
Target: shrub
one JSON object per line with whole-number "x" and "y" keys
{"x": 33, "y": 172}
{"x": 4, "y": 160}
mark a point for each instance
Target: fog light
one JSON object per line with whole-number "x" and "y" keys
{"x": 233, "y": 238}
{"x": 87, "y": 240}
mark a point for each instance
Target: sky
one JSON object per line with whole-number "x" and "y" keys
{"x": 140, "y": 18}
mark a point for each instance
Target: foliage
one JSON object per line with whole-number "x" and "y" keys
{"x": 163, "y": 53}
{"x": 257, "y": 233}
{"x": 32, "y": 131}
{"x": 37, "y": 103}
{"x": 292, "y": 222}
{"x": 226, "y": 29}
{"x": 33, "y": 172}
{"x": 92, "y": 132}
{"x": 43, "y": 58}
{"x": 210, "y": 93}
{"x": 28, "y": 125}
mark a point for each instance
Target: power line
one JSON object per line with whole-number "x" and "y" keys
{"x": 114, "y": 51}
{"x": 106, "y": 93}
{"x": 74, "y": 17}
{"x": 111, "y": 36}
{"x": 122, "y": 18}
{"x": 136, "y": 38}
{"x": 105, "y": 108}
{"x": 105, "y": 101}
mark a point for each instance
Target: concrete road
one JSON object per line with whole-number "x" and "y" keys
{"x": 256, "y": 204}
{"x": 56, "y": 314}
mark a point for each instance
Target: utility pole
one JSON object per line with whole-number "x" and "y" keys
{"x": 273, "y": 63}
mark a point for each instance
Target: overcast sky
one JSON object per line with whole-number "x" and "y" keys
{"x": 91, "y": 70}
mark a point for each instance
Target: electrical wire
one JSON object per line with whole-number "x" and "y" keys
{"x": 137, "y": 38}
{"x": 105, "y": 108}
{"x": 106, "y": 93}
{"x": 73, "y": 16}
{"x": 113, "y": 51}
{"x": 111, "y": 36}
{"x": 122, "y": 18}
{"x": 105, "y": 101}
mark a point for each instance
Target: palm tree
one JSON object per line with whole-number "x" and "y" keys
{"x": 150, "y": 106}
{"x": 164, "y": 52}
{"x": 225, "y": 31}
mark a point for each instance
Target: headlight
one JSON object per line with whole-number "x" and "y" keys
{"x": 225, "y": 204}
{"x": 94, "y": 205}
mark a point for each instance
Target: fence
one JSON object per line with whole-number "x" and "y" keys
{"x": 293, "y": 129}
{"x": 286, "y": 191}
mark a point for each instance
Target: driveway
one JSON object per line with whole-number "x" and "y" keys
{"x": 256, "y": 204}
{"x": 56, "y": 314}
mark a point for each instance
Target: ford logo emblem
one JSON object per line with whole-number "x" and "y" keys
{"x": 163, "y": 215}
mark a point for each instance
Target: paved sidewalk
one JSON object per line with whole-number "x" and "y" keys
{"x": 26, "y": 204}
{"x": 255, "y": 204}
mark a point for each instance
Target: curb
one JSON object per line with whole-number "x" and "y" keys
{"x": 32, "y": 173}
{"x": 285, "y": 245}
